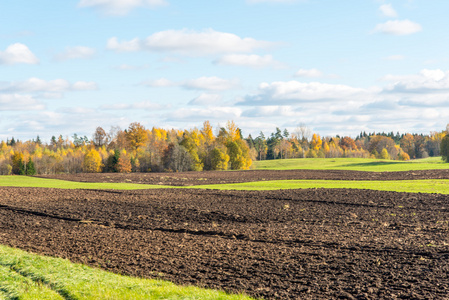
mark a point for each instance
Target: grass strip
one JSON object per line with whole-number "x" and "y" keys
{"x": 48, "y": 277}
{"x": 16, "y": 286}
{"x": 440, "y": 186}
{"x": 26, "y": 181}
{"x": 352, "y": 164}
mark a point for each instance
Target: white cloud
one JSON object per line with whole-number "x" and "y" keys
{"x": 398, "y": 27}
{"x": 253, "y": 61}
{"x": 77, "y": 52}
{"x": 210, "y": 83}
{"x": 206, "y": 99}
{"x": 40, "y": 85}
{"x": 124, "y": 46}
{"x": 17, "y": 54}
{"x": 440, "y": 100}
{"x": 210, "y": 113}
{"x": 162, "y": 82}
{"x": 77, "y": 110}
{"x": 387, "y": 10}
{"x": 269, "y": 111}
{"x": 120, "y": 7}
{"x": 314, "y": 73}
{"x": 189, "y": 42}
{"x": 84, "y": 86}
{"x": 426, "y": 81}
{"x": 288, "y": 92}
{"x": 143, "y": 105}
{"x": 17, "y": 102}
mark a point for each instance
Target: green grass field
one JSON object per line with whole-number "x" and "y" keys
{"x": 352, "y": 164}
{"x": 440, "y": 186}
{"x": 29, "y": 276}
{"x": 26, "y": 181}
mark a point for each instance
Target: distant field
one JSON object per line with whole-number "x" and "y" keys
{"x": 440, "y": 186}
{"x": 352, "y": 164}
{"x": 26, "y": 181}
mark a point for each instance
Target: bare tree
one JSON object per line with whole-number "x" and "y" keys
{"x": 100, "y": 137}
{"x": 302, "y": 133}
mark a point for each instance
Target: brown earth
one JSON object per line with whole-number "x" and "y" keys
{"x": 291, "y": 244}
{"x": 217, "y": 177}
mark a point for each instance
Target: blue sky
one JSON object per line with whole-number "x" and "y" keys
{"x": 339, "y": 67}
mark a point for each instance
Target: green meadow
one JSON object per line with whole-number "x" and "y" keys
{"x": 439, "y": 186}
{"x": 351, "y": 164}
{"x": 26, "y": 181}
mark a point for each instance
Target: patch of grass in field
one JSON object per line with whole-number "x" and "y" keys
{"x": 29, "y": 276}
{"x": 26, "y": 181}
{"x": 352, "y": 164}
{"x": 440, "y": 186}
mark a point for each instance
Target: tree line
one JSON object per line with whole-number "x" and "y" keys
{"x": 135, "y": 149}
{"x": 303, "y": 143}
{"x": 138, "y": 149}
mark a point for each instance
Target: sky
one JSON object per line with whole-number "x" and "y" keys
{"x": 337, "y": 67}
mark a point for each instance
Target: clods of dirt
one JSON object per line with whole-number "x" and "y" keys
{"x": 291, "y": 244}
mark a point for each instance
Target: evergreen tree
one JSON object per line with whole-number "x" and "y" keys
{"x": 444, "y": 148}
{"x": 30, "y": 170}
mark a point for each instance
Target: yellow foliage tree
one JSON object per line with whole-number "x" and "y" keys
{"x": 92, "y": 161}
{"x": 219, "y": 159}
{"x": 316, "y": 142}
{"x": 207, "y": 132}
{"x": 233, "y": 131}
{"x": 136, "y": 135}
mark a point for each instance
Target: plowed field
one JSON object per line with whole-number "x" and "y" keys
{"x": 291, "y": 244}
{"x": 217, "y": 177}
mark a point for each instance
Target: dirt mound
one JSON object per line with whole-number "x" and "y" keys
{"x": 295, "y": 244}
{"x": 217, "y": 177}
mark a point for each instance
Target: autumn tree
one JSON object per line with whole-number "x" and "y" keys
{"x": 177, "y": 158}
{"x": 124, "y": 163}
{"x": 239, "y": 156}
{"x": 191, "y": 142}
{"x": 378, "y": 142}
{"x": 112, "y": 161}
{"x": 207, "y": 132}
{"x": 92, "y": 161}
{"x": 18, "y": 167}
{"x": 408, "y": 145}
{"x": 136, "y": 135}
{"x": 347, "y": 143}
{"x": 316, "y": 142}
{"x": 384, "y": 154}
{"x": 99, "y": 137}
{"x": 219, "y": 159}
{"x": 261, "y": 146}
{"x": 233, "y": 131}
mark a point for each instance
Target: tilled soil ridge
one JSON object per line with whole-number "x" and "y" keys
{"x": 292, "y": 244}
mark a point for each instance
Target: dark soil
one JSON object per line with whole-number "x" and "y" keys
{"x": 292, "y": 244}
{"x": 217, "y": 177}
